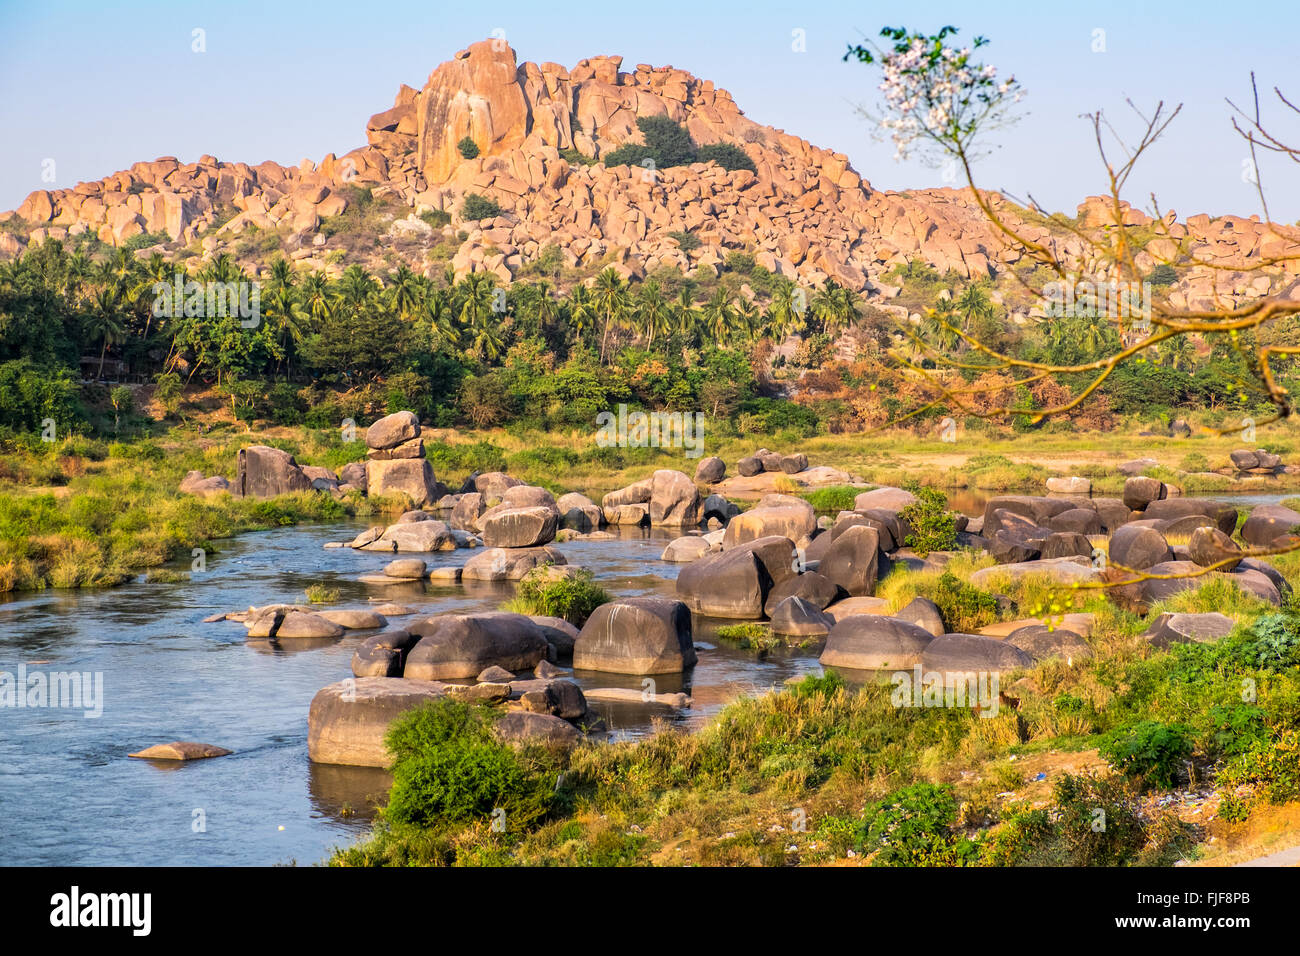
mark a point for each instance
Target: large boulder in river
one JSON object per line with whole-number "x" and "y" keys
{"x": 522, "y": 729}
{"x": 674, "y": 500}
{"x": 492, "y": 485}
{"x": 383, "y": 654}
{"x": 348, "y": 720}
{"x": 1140, "y": 491}
{"x": 732, "y": 584}
{"x": 306, "y": 624}
{"x": 529, "y": 496}
{"x": 578, "y": 512}
{"x": 795, "y": 617}
{"x": 392, "y": 430}
{"x": 264, "y": 472}
{"x": 412, "y": 477}
{"x": 776, "y": 514}
{"x": 874, "y": 642}
{"x": 810, "y": 586}
{"x": 509, "y": 564}
{"x": 686, "y": 549}
{"x": 1035, "y": 510}
{"x": 457, "y": 646}
{"x": 736, "y": 582}
{"x": 465, "y": 513}
{"x": 414, "y": 536}
{"x": 853, "y": 561}
{"x": 1137, "y": 548}
{"x": 520, "y": 527}
{"x": 645, "y": 635}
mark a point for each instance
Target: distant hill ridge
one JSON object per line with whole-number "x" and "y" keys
{"x": 540, "y": 133}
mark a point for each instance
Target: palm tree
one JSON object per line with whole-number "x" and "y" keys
{"x": 288, "y": 319}
{"x": 787, "y": 313}
{"x": 718, "y": 316}
{"x": 406, "y": 294}
{"x": 940, "y": 325}
{"x": 105, "y": 323}
{"x": 652, "y": 310}
{"x": 317, "y": 297}
{"x": 974, "y": 304}
{"x": 438, "y": 314}
{"x": 477, "y": 315}
{"x": 685, "y": 316}
{"x": 582, "y": 311}
{"x": 610, "y": 297}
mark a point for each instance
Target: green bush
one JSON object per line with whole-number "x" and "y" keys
{"x": 834, "y": 499}
{"x": 914, "y": 826}
{"x": 478, "y": 207}
{"x": 30, "y": 394}
{"x": 449, "y": 768}
{"x": 727, "y": 155}
{"x": 1194, "y": 461}
{"x": 686, "y": 241}
{"x": 934, "y": 527}
{"x": 1090, "y": 822}
{"x": 1149, "y": 751}
{"x": 572, "y": 598}
{"x": 468, "y": 148}
{"x": 437, "y": 218}
{"x": 964, "y": 608}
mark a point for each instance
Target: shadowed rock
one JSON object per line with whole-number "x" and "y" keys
{"x": 872, "y": 642}
{"x": 636, "y": 636}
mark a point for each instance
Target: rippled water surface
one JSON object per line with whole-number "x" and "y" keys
{"x": 70, "y": 795}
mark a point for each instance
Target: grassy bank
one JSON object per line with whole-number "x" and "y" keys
{"x": 828, "y": 772}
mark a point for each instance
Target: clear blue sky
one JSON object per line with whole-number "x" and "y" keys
{"x": 96, "y": 86}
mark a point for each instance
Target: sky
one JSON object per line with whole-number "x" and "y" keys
{"x": 91, "y": 87}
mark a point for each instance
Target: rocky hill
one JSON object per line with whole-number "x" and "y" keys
{"x": 541, "y": 132}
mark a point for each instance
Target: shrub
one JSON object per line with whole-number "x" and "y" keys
{"x": 914, "y": 827}
{"x": 572, "y": 598}
{"x": 468, "y": 148}
{"x": 575, "y": 158}
{"x": 833, "y": 499}
{"x": 449, "y": 768}
{"x": 964, "y": 608}
{"x": 1090, "y": 822}
{"x": 437, "y": 218}
{"x": 727, "y": 155}
{"x": 686, "y": 241}
{"x": 1149, "y": 751}
{"x": 1194, "y": 461}
{"x": 1162, "y": 275}
{"x": 476, "y": 207}
{"x": 934, "y": 527}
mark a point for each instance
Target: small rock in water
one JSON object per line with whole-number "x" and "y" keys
{"x": 181, "y": 750}
{"x": 495, "y": 675}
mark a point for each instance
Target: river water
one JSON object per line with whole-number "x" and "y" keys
{"x": 70, "y": 795}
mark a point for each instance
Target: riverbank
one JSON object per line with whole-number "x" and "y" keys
{"x": 90, "y": 513}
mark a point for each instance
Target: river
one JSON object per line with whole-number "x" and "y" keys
{"x": 69, "y": 795}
